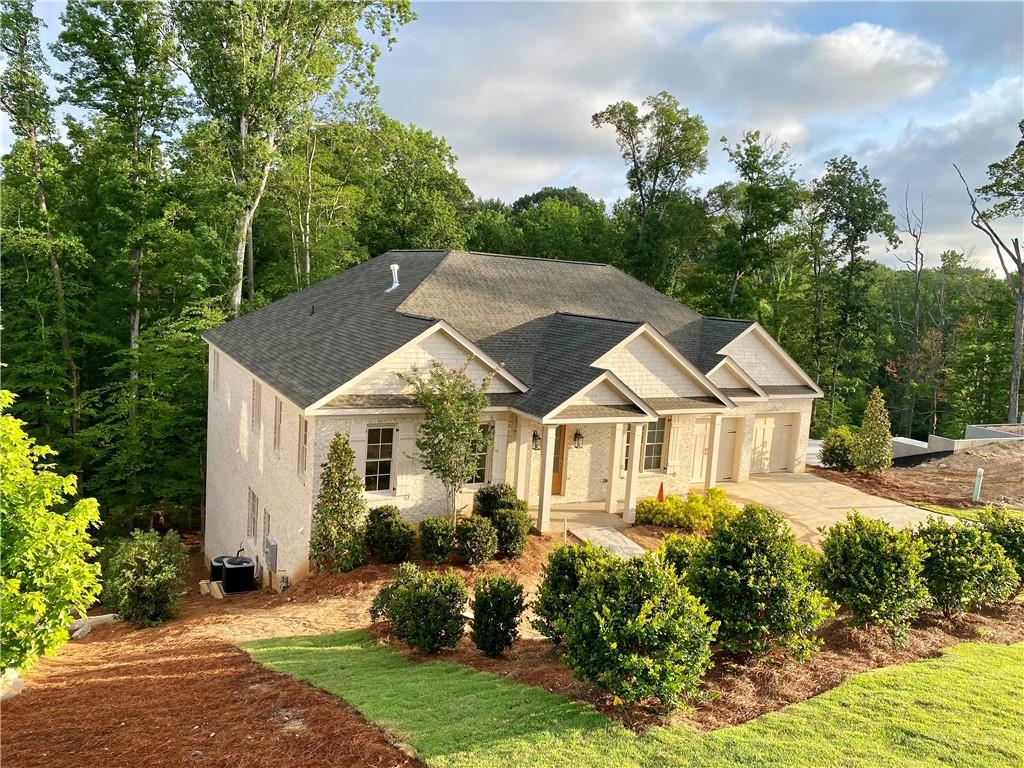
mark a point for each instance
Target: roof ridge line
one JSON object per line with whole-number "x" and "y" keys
{"x": 536, "y": 258}
{"x": 598, "y": 317}
{"x": 727, "y": 319}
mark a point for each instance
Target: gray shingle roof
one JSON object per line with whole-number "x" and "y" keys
{"x": 546, "y": 321}
{"x": 787, "y": 389}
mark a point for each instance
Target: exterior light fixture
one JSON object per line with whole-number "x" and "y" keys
{"x": 536, "y": 440}
{"x": 577, "y": 439}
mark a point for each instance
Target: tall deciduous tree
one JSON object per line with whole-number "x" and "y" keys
{"x": 450, "y": 437}
{"x": 1006, "y": 191}
{"x": 662, "y": 148}
{"x": 257, "y": 68}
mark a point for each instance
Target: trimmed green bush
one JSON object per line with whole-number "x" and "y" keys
{"x": 964, "y": 568}
{"x": 635, "y": 631}
{"x": 498, "y": 603}
{"x": 755, "y": 579}
{"x": 477, "y": 540}
{"x": 561, "y": 577}
{"x": 426, "y": 611}
{"x": 437, "y": 539}
{"x": 836, "y": 450}
{"x": 490, "y": 498}
{"x": 512, "y": 526}
{"x": 1007, "y": 530}
{"x": 696, "y": 513}
{"x": 389, "y": 538}
{"x": 678, "y": 551}
{"x": 405, "y": 574}
{"x": 876, "y": 571}
{"x": 146, "y": 576}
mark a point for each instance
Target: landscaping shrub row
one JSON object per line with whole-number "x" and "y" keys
{"x": 696, "y": 513}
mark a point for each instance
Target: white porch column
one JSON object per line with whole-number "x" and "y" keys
{"x": 637, "y": 435}
{"x": 524, "y": 437}
{"x": 611, "y": 502}
{"x": 711, "y": 471}
{"x": 547, "y": 468}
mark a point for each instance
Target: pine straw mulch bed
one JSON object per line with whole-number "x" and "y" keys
{"x": 126, "y": 698}
{"x": 739, "y": 689}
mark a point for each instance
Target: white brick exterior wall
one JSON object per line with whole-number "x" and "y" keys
{"x": 239, "y": 457}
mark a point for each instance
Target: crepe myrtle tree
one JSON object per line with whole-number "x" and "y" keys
{"x": 450, "y": 438}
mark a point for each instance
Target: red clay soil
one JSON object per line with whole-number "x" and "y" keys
{"x": 947, "y": 481}
{"x": 739, "y": 689}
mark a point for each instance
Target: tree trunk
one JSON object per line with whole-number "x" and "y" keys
{"x": 241, "y": 228}
{"x": 250, "y": 270}
{"x": 133, "y": 333}
{"x": 1018, "y": 343}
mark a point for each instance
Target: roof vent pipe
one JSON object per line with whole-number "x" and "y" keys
{"x": 394, "y": 278}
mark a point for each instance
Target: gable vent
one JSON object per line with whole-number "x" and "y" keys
{"x": 394, "y": 278}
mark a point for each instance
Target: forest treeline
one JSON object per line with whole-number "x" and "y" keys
{"x": 221, "y": 155}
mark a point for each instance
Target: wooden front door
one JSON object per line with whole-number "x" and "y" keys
{"x": 558, "y": 465}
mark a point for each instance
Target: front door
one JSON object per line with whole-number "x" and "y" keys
{"x": 727, "y": 449}
{"x": 558, "y": 467}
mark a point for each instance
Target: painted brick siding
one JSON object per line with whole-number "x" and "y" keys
{"x": 384, "y": 377}
{"x": 242, "y": 456}
{"x": 760, "y": 361}
{"x": 647, "y": 370}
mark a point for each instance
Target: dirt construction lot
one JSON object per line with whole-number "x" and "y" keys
{"x": 948, "y": 481}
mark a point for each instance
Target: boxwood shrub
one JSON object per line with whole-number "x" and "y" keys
{"x": 145, "y": 576}
{"x": 437, "y": 539}
{"x": 876, "y": 571}
{"x": 637, "y": 632}
{"x": 1007, "y": 530}
{"x": 512, "y": 526}
{"x": 498, "y": 604}
{"x": 380, "y": 608}
{"x": 964, "y": 567}
{"x": 389, "y": 538}
{"x": 678, "y": 551}
{"x": 490, "y": 498}
{"x": 477, "y": 539}
{"x": 561, "y": 576}
{"x": 837, "y": 449}
{"x": 756, "y": 580}
{"x": 426, "y": 610}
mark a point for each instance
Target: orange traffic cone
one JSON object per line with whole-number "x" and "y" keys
{"x": 661, "y": 492}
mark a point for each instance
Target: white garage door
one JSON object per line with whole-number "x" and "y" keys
{"x": 773, "y": 447}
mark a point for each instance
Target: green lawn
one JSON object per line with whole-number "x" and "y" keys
{"x": 963, "y": 514}
{"x": 964, "y": 708}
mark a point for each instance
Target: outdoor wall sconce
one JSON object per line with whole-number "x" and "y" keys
{"x": 536, "y": 440}
{"x": 577, "y": 439}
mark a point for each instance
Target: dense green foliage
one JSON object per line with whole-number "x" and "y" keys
{"x": 337, "y": 537}
{"x": 45, "y": 549}
{"x": 437, "y": 539}
{"x": 696, "y": 513}
{"x": 477, "y": 540}
{"x": 492, "y": 497}
{"x": 380, "y": 607}
{"x": 876, "y": 572}
{"x": 872, "y": 448}
{"x": 219, "y": 156}
{"x": 678, "y": 551}
{"x": 389, "y": 538}
{"x": 566, "y": 569}
{"x": 903, "y": 716}
{"x": 498, "y": 603}
{"x": 512, "y": 526}
{"x": 837, "y": 449}
{"x": 756, "y": 580}
{"x": 425, "y": 610}
{"x": 637, "y": 632}
{"x": 146, "y": 577}
{"x": 1007, "y": 530}
{"x": 964, "y": 567}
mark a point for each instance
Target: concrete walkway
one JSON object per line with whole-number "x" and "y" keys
{"x": 610, "y": 539}
{"x": 809, "y": 502}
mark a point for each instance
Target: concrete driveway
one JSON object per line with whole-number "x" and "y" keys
{"x": 809, "y": 502}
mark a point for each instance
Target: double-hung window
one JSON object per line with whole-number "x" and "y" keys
{"x": 277, "y": 422}
{"x": 257, "y": 398}
{"x": 483, "y": 454}
{"x": 250, "y": 523}
{"x": 380, "y": 443}
{"x": 300, "y": 465}
{"x": 215, "y": 371}
{"x": 654, "y": 447}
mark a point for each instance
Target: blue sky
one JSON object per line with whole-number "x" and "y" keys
{"x": 907, "y": 88}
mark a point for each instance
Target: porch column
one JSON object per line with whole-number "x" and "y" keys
{"x": 637, "y": 434}
{"x": 547, "y": 469}
{"x": 611, "y": 502}
{"x": 524, "y": 437}
{"x": 711, "y": 472}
